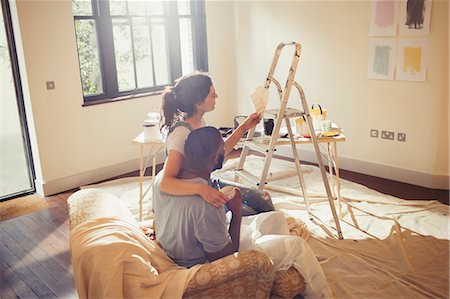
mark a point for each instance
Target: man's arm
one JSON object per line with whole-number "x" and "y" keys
{"x": 234, "y": 230}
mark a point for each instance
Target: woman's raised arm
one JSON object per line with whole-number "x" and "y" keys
{"x": 251, "y": 121}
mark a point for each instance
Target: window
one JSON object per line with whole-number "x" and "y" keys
{"x": 129, "y": 47}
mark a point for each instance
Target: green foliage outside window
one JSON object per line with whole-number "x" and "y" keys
{"x": 88, "y": 57}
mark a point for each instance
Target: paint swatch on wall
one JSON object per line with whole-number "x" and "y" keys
{"x": 412, "y": 59}
{"x": 415, "y": 16}
{"x": 382, "y": 53}
{"x": 383, "y": 18}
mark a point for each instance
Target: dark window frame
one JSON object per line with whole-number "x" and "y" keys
{"x": 104, "y": 30}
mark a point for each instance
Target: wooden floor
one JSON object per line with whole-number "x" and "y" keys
{"x": 35, "y": 258}
{"x": 34, "y": 251}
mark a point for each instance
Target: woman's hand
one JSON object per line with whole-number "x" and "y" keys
{"x": 251, "y": 121}
{"x": 212, "y": 196}
{"x": 235, "y": 203}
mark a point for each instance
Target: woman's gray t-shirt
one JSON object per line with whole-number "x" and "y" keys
{"x": 177, "y": 137}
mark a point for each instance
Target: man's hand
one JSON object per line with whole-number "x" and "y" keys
{"x": 235, "y": 204}
{"x": 212, "y": 196}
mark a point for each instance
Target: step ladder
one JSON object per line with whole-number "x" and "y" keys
{"x": 284, "y": 113}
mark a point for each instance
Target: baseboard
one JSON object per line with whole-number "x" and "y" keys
{"x": 369, "y": 168}
{"x": 90, "y": 177}
{"x": 408, "y": 176}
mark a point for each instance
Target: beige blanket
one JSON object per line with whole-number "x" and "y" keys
{"x": 146, "y": 273}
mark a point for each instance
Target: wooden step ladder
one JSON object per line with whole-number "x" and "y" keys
{"x": 284, "y": 113}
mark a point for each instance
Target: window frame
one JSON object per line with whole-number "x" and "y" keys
{"x": 5, "y": 10}
{"x": 105, "y": 47}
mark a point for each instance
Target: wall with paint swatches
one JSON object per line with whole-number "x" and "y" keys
{"x": 333, "y": 72}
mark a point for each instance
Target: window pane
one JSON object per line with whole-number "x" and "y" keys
{"x": 117, "y": 7}
{"x": 124, "y": 55}
{"x": 154, "y": 7}
{"x": 160, "y": 52}
{"x": 142, "y": 56}
{"x": 142, "y": 52}
{"x": 89, "y": 57}
{"x": 184, "y": 7}
{"x": 187, "y": 53}
{"x": 81, "y": 8}
{"x": 137, "y": 8}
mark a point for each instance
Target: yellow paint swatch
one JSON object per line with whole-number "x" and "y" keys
{"x": 412, "y": 59}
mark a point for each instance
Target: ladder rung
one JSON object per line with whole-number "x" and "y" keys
{"x": 247, "y": 176}
{"x": 258, "y": 146}
{"x": 290, "y": 112}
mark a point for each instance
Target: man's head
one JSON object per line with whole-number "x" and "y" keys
{"x": 204, "y": 151}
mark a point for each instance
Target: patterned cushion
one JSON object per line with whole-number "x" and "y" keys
{"x": 288, "y": 283}
{"x": 247, "y": 274}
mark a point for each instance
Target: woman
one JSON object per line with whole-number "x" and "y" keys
{"x": 183, "y": 107}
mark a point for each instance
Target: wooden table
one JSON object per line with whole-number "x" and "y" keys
{"x": 154, "y": 147}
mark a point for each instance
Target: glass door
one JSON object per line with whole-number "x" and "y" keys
{"x": 16, "y": 168}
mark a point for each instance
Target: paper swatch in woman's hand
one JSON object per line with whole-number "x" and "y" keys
{"x": 229, "y": 191}
{"x": 260, "y": 97}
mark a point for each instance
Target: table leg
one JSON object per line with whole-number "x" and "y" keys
{"x": 141, "y": 176}
{"x": 330, "y": 168}
{"x": 154, "y": 167}
{"x": 338, "y": 181}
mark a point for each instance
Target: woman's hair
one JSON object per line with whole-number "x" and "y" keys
{"x": 180, "y": 101}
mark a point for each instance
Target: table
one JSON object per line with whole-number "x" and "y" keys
{"x": 154, "y": 148}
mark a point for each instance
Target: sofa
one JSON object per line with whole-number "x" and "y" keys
{"x": 112, "y": 257}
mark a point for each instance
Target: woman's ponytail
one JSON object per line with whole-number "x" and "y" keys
{"x": 169, "y": 108}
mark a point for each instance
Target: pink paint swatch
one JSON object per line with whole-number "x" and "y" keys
{"x": 384, "y": 13}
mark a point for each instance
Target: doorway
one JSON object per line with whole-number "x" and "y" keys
{"x": 16, "y": 167}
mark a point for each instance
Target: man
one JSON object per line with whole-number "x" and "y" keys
{"x": 190, "y": 230}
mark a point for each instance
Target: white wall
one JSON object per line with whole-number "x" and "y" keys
{"x": 222, "y": 60}
{"x": 74, "y": 145}
{"x": 332, "y": 71}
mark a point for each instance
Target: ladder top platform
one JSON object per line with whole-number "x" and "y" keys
{"x": 289, "y": 112}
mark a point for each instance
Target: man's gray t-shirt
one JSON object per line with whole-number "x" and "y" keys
{"x": 187, "y": 226}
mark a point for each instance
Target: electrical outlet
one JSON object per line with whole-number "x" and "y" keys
{"x": 374, "y": 133}
{"x": 401, "y": 137}
{"x": 387, "y": 135}
{"x": 50, "y": 85}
